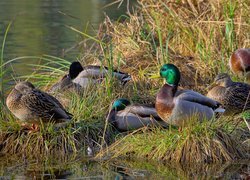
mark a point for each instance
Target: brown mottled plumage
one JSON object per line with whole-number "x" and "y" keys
{"x": 66, "y": 84}
{"x": 234, "y": 96}
{"x": 32, "y": 105}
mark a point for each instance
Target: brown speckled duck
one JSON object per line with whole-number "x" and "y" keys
{"x": 234, "y": 96}
{"x": 177, "y": 107}
{"x": 31, "y": 105}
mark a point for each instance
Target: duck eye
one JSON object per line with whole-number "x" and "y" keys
{"x": 163, "y": 69}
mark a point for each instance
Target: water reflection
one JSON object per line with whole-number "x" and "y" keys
{"x": 119, "y": 169}
{"x": 39, "y": 27}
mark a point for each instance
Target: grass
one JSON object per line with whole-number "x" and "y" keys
{"x": 197, "y": 143}
{"x": 86, "y": 128}
{"x": 2, "y": 72}
{"x": 197, "y": 37}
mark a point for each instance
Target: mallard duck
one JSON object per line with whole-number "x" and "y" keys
{"x": 31, "y": 105}
{"x": 80, "y": 77}
{"x": 177, "y": 107}
{"x": 239, "y": 62}
{"x": 234, "y": 96}
{"x": 64, "y": 84}
{"x": 125, "y": 116}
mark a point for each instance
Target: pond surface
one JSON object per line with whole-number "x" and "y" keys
{"x": 40, "y": 27}
{"x": 119, "y": 169}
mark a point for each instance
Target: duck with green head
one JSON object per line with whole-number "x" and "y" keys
{"x": 177, "y": 107}
{"x": 124, "y": 116}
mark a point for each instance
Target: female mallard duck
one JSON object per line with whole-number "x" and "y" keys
{"x": 176, "y": 107}
{"x": 125, "y": 116}
{"x": 32, "y": 105}
{"x": 239, "y": 62}
{"x": 81, "y": 77}
{"x": 234, "y": 96}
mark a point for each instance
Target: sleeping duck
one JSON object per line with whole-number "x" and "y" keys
{"x": 31, "y": 105}
{"x": 82, "y": 76}
{"x": 125, "y": 117}
{"x": 234, "y": 96}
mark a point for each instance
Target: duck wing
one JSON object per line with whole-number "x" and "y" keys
{"x": 143, "y": 111}
{"x": 97, "y": 72}
{"x": 238, "y": 96}
{"x": 196, "y": 97}
{"x": 217, "y": 93}
{"x": 45, "y": 106}
{"x": 65, "y": 83}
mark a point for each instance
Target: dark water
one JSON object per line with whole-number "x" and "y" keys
{"x": 39, "y": 27}
{"x": 119, "y": 169}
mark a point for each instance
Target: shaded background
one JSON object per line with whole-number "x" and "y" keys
{"x": 39, "y": 27}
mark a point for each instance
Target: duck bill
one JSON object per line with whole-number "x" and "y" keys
{"x": 155, "y": 76}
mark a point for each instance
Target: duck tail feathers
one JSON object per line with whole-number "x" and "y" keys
{"x": 219, "y": 110}
{"x": 126, "y": 79}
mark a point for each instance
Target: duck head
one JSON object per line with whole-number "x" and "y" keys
{"x": 239, "y": 61}
{"x": 74, "y": 69}
{"x": 24, "y": 87}
{"x": 171, "y": 74}
{"x": 223, "y": 79}
{"x": 120, "y": 104}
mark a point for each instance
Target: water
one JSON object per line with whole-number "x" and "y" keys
{"x": 119, "y": 169}
{"x": 39, "y": 27}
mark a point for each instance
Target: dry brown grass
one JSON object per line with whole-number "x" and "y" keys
{"x": 197, "y": 36}
{"x": 200, "y": 143}
{"x": 50, "y": 141}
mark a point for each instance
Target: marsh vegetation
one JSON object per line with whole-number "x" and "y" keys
{"x": 198, "y": 37}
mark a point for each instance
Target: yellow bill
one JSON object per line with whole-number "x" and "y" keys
{"x": 155, "y": 76}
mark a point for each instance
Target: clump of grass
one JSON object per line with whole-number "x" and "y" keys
{"x": 49, "y": 140}
{"x": 197, "y": 143}
{"x": 198, "y": 37}
{"x": 87, "y": 128}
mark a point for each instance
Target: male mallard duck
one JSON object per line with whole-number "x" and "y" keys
{"x": 125, "y": 116}
{"x": 239, "y": 62}
{"x": 234, "y": 96}
{"x": 32, "y": 105}
{"x": 81, "y": 77}
{"x": 176, "y": 107}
